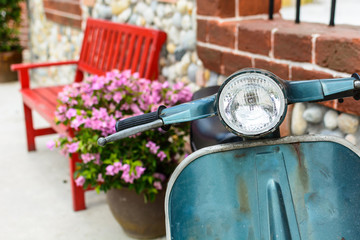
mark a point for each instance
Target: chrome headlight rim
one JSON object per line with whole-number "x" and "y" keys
{"x": 267, "y": 74}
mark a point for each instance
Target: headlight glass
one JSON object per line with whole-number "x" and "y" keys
{"x": 251, "y": 104}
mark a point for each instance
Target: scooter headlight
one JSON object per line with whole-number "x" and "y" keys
{"x": 251, "y": 103}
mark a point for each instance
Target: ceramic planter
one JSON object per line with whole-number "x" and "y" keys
{"x": 6, "y": 59}
{"x": 138, "y": 219}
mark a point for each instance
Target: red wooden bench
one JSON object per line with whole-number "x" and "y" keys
{"x": 106, "y": 46}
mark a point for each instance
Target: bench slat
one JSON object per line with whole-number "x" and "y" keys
{"x": 43, "y": 107}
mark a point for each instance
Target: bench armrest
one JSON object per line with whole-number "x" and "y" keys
{"x": 20, "y": 66}
{"x": 23, "y": 70}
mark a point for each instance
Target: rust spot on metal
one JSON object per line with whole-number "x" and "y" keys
{"x": 243, "y": 194}
{"x": 342, "y": 238}
{"x": 301, "y": 170}
{"x": 240, "y": 155}
{"x": 298, "y": 152}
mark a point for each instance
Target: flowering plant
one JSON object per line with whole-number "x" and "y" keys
{"x": 142, "y": 162}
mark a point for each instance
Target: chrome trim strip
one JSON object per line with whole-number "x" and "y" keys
{"x": 240, "y": 145}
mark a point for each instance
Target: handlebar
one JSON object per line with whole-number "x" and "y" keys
{"x": 296, "y": 91}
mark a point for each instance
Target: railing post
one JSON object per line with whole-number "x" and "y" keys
{"x": 297, "y": 19}
{"x": 271, "y": 9}
{"x": 332, "y": 13}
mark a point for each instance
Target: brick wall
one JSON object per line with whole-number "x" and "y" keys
{"x": 235, "y": 34}
{"x": 65, "y": 12}
{"x": 24, "y": 26}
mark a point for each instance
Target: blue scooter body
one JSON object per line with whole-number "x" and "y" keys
{"x": 291, "y": 188}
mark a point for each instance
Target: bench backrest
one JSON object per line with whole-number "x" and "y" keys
{"x": 108, "y": 45}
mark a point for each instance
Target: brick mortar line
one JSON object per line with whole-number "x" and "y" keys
{"x": 237, "y": 8}
{"x": 272, "y": 42}
{"x": 234, "y": 19}
{"x": 63, "y": 14}
{"x": 313, "y": 47}
{"x": 304, "y": 65}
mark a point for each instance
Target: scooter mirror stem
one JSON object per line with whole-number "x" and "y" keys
{"x": 129, "y": 132}
{"x": 320, "y": 90}
{"x": 201, "y": 108}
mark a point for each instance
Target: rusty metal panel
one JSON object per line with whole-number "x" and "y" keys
{"x": 286, "y": 191}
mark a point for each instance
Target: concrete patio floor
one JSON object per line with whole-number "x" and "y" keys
{"x": 35, "y": 198}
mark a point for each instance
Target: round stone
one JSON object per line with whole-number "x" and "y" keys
{"x": 176, "y": 19}
{"x": 330, "y": 119}
{"x": 191, "y": 71}
{"x": 186, "y": 22}
{"x": 160, "y": 10}
{"x": 298, "y": 123}
{"x": 118, "y": 7}
{"x": 313, "y": 114}
{"x": 181, "y": 6}
{"x": 149, "y": 15}
{"x": 124, "y": 16}
{"x": 336, "y": 133}
{"x": 133, "y": 19}
{"x": 170, "y": 47}
{"x": 348, "y": 123}
{"x": 213, "y": 79}
{"x": 188, "y": 40}
{"x": 351, "y": 138}
{"x": 174, "y": 35}
{"x": 104, "y": 11}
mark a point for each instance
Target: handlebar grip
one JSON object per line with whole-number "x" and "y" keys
{"x": 138, "y": 120}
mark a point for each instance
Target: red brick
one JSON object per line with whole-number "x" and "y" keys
{"x": 279, "y": 69}
{"x": 202, "y": 30}
{"x": 255, "y": 36}
{"x": 292, "y": 46}
{"x": 211, "y": 58}
{"x": 339, "y": 50}
{"x": 216, "y": 8}
{"x": 233, "y": 63}
{"x": 299, "y": 73}
{"x": 254, "y": 7}
{"x": 222, "y": 34}
{"x": 350, "y": 105}
{"x": 285, "y": 127}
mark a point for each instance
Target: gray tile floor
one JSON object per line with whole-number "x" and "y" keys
{"x": 35, "y": 199}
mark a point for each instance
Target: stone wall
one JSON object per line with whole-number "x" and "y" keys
{"x": 313, "y": 118}
{"x": 56, "y": 41}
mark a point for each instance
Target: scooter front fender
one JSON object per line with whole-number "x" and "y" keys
{"x": 291, "y": 188}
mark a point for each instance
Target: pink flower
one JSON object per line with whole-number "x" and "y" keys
{"x": 160, "y": 176}
{"x": 158, "y": 185}
{"x": 73, "y": 147}
{"x": 139, "y": 171}
{"x": 70, "y": 113}
{"x": 110, "y": 170}
{"x": 118, "y": 114}
{"x": 80, "y": 181}
{"x": 152, "y": 146}
{"x": 161, "y": 155}
{"x": 100, "y": 178}
{"x": 50, "y": 144}
{"x": 117, "y": 97}
{"x": 117, "y": 167}
{"x": 87, "y": 157}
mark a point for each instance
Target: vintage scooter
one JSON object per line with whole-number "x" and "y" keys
{"x": 258, "y": 185}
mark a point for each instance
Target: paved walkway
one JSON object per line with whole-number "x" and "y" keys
{"x": 35, "y": 199}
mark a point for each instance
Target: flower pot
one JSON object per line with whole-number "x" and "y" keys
{"x": 138, "y": 219}
{"x": 6, "y": 59}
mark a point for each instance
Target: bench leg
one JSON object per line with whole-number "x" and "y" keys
{"x": 30, "y": 131}
{"x": 78, "y": 193}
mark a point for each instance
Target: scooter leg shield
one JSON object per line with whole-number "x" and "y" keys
{"x": 282, "y": 189}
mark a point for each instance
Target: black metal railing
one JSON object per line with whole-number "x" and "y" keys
{"x": 297, "y": 11}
